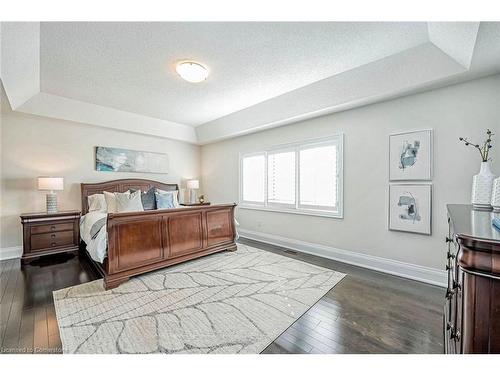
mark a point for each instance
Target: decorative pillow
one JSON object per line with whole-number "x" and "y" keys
{"x": 96, "y": 202}
{"x": 128, "y": 202}
{"x": 164, "y": 200}
{"x": 174, "y": 193}
{"x": 111, "y": 201}
{"x": 148, "y": 199}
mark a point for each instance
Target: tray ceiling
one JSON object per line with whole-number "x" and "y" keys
{"x": 122, "y": 75}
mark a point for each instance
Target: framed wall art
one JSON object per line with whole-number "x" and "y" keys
{"x": 410, "y": 156}
{"x": 110, "y": 159}
{"x": 410, "y": 208}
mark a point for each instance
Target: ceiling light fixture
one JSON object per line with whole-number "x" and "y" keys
{"x": 192, "y": 71}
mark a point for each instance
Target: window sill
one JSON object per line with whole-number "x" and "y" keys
{"x": 320, "y": 213}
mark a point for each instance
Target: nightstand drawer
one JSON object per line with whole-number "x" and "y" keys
{"x": 50, "y": 240}
{"x": 59, "y": 227}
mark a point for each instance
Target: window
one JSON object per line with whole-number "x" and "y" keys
{"x": 303, "y": 178}
{"x": 254, "y": 178}
{"x": 318, "y": 176}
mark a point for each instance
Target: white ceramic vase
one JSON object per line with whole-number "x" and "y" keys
{"x": 495, "y": 194}
{"x": 482, "y": 184}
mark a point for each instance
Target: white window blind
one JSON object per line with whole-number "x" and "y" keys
{"x": 253, "y": 178}
{"x": 281, "y": 178}
{"x": 303, "y": 178}
{"x": 318, "y": 177}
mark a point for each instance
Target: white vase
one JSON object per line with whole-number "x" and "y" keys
{"x": 495, "y": 194}
{"x": 482, "y": 184}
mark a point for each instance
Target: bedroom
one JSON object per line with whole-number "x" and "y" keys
{"x": 250, "y": 187}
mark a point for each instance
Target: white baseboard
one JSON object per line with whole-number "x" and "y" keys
{"x": 410, "y": 271}
{"x": 11, "y": 252}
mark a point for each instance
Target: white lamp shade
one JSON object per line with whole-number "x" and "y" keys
{"x": 193, "y": 184}
{"x": 50, "y": 183}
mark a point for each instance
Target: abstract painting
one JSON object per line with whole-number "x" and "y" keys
{"x": 410, "y": 156}
{"x": 111, "y": 159}
{"x": 410, "y": 208}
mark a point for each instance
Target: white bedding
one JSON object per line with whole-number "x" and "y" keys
{"x": 97, "y": 247}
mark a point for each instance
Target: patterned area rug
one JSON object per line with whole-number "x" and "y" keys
{"x": 230, "y": 302}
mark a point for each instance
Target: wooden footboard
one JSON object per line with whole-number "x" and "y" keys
{"x": 140, "y": 242}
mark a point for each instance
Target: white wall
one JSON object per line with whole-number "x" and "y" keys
{"x": 461, "y": 110}
{"x": 35, "y": 146}
{"x": 32, "y": 146}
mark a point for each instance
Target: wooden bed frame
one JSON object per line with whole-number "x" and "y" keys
{"x": 140, "y": 242}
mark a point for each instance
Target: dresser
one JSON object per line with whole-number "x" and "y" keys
{"x": 45, "y": 234}
{"x": 472, "y": 308}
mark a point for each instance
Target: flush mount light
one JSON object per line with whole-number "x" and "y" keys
{"x": 192, "y": 71}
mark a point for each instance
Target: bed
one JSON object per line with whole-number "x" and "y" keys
{"x": 143, "y": 241}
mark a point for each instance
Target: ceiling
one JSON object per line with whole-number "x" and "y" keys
{"x": 122, "y": 75}
{"x": 131, "y": 66}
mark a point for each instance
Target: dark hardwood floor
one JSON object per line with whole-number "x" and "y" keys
{"x": 367, "y": 312}
{"x": 27, "y": 314}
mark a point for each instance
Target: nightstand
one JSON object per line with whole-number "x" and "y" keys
{"x": 45, "y": 234}
{"x": 196, "y": 204}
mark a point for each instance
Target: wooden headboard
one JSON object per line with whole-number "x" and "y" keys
{"x": 121, "y": 186}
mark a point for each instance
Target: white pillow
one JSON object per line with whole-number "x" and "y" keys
{"x": 129, "y": 202}
{"x": 96, "y": 202}
{"x": 111, "y": 201}
{"x": 175, "y": 194}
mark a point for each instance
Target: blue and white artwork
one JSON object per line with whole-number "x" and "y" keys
{"x": 410, "y": 156}
{"x": 410, "y": 208}
{"x": 110, "y": 159}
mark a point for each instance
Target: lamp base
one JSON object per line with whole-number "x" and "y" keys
{"x": 51, "y": 199}
{"x": 193, "y": 196}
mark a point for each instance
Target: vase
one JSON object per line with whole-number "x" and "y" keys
{"x": 482, "y": 184}
{"x": 495, "y": 194}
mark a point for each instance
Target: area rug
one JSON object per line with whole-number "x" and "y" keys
{"x": 230, "y": 302}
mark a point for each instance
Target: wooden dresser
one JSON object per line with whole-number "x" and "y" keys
{"x": 472, "y": 308}
{"x": 45, "y": 234}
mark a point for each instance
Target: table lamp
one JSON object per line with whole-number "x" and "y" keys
{"x": 51, "y": 184}
{"x": 192, "y": 185}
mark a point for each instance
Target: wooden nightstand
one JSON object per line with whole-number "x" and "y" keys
{"x": 45, "y": 234}
{"x": 196, "y": 204}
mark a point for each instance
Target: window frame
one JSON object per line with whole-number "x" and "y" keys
{"x": 297, "y": 208}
